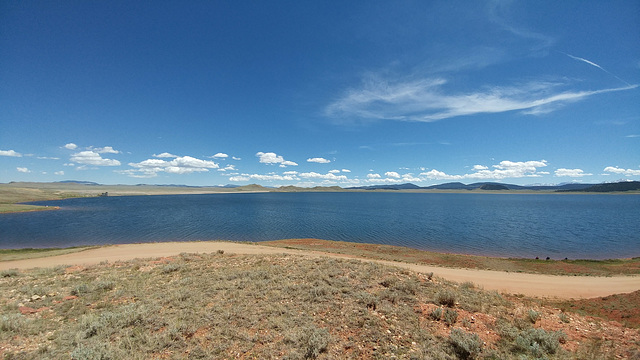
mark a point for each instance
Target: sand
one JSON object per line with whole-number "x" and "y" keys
{"x": 547, "y": 286}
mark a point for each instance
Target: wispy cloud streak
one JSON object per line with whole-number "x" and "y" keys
{"x": 425, "y": 100}
{"x": 596, "y": 65}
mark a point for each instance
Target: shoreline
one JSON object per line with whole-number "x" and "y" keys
{"x": 535, "y": 285}
{"x": 12, "y": 194}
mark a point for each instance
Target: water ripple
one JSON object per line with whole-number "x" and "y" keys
{"x": 574, "y": 226}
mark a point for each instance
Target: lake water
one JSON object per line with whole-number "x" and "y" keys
{"x": 513, "y": 225}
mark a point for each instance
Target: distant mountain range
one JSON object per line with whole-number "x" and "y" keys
{"x": 608, "y": 187}
{"x": 488, "y": 186}
{"x": 78, "y": 182}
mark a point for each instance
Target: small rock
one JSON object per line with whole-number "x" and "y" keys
{"x": 24, "y": 310}
{"x": 35, "y": 297}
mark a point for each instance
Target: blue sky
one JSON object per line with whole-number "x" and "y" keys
{"x": 309, "y": 93}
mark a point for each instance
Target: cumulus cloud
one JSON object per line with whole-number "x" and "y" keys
{"x": 165, "y": 155}
{"x": 59, "y": 172}
{"x": 272, "y": 158}
{"x": 505, "y": 169}
{"x": 439, "y": 175}
{"x": 236, "y": 158}
{"x": 374, "y": 176}
{"x": 105, "y": 150}
{"x": 571, "y": 173}
{"x": 319, "y": 160}
{"x": 71, "y": 146}
{"x": 617, "y": 170}
{"x": 228, "y": 168}
{"x": 93, "y": 158}
{"x": 392, "y": 174}
{"x": 239, "y": 178}
{"x": 220, "y": 156}
{"x": 479, "y": 167}
{"x": 23, "y": 170}
{"x": 427, "y": 100}
{"x": 273, "y": 177}
{"x": 327, "y": 176}
{"x": 179, "y": 165}
{"x": 11, "y": 153}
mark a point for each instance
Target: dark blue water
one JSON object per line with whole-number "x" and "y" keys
{"x": 558, "y": 226}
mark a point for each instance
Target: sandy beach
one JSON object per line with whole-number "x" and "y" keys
{"x": 550, "y": 286}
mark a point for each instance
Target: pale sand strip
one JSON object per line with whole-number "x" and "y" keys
{"x": 513, "y": 283}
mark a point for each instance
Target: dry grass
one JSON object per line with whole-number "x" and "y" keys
{"x": 404, "y": 254}
{"x": 273, "y": 306}
{"x": 30, "y": 253}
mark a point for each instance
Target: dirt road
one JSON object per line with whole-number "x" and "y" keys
{"x": 513, "y": 283}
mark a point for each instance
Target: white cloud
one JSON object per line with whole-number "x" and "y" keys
{"x": 165, "y": 155}
{"x": 273, "y": 177}
{"x": 571, "y": 173}
{"x": 11, "y": 153}
{"x": 392, "y": 174}
{"x": 59, "y": 172}
{"x": 236, "y": 158}
{"x": 426, "y": 100}
{"x": 617, "y": 170}
{"x": 335, "y": 171}
{"x": 374, "y": 176}
{"x": 179, "y": 165}
{"x": 439, "y": 175}
{"x": 23, "y": 170}
{"x": 346, "y": 170}
{"x": 290, "y": 173}
{"x": 479, "y": 167}
{"x": 239, "y": 178}
{"x": 71, "y": 146}
{"x": 319, "y": 160}
{"x": 273, "y": 158}
{"x": 327, "y": 176}
{"x": 93, "y": 158}
{"x": 505, "y": 169}
{"x": 228, "y": 168}
{"x": 220, "y": 156}
{"x": 105, "y": 150}
{"x": 410, "y": 178}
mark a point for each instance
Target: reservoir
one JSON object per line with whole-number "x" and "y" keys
{"x": 506, "y": 225}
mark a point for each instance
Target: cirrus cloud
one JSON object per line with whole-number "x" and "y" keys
{"x": 426, "y": 100}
